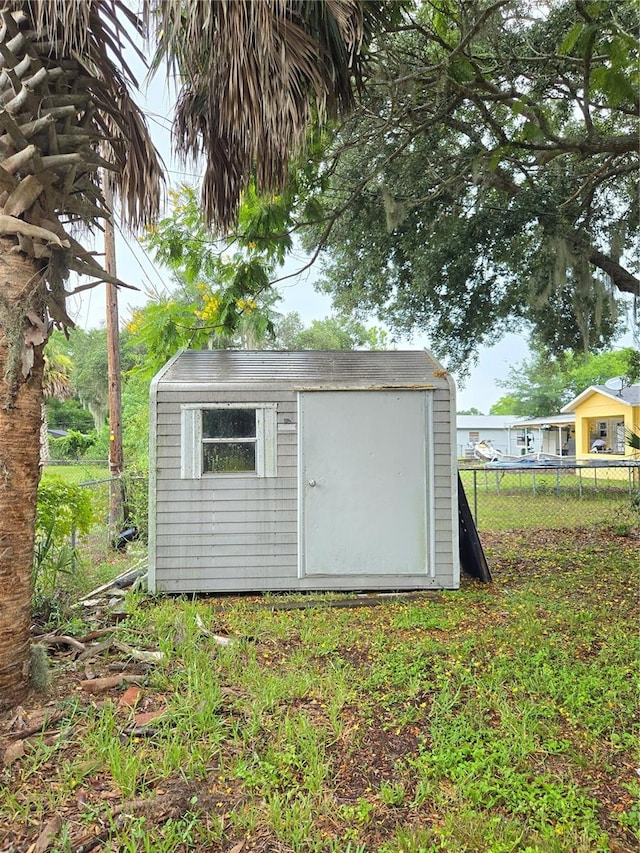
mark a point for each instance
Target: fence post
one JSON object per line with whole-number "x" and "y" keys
{"x": 475, "y": 496}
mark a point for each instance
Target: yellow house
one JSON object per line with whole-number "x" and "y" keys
{"x": 602, "y": 417}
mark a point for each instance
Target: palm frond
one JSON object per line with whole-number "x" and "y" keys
{"x": 253, "y": 74}
{"x": 91, "y": 40}
{"x": 632, "y": 438}
{"x": 56, "y": 379}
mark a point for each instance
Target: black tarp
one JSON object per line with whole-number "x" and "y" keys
{"x": 472, "y": 557}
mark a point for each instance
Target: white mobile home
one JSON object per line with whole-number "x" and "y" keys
{"x": 302, "y": 471}
{"x": 492, "y": 429}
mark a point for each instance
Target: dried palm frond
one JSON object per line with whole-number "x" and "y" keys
{"x": 66, "y": 112}
{"x": 253, "y": 74}
{"x": 90, "y": 40}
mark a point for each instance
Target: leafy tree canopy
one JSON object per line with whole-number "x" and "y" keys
{"x": 68, "y": 414}
{"x": 506, "y": 405}
{"x": 223, "y": 295}
{"x": 541, "y": 386}
{"x": 488, "y": 178}
{"x": 339, "y": 332}
{"x": 474, "y": 411}
{"x": 87, "y": 355}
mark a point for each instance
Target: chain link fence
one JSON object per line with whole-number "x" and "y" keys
{"x": 513, "y": 497}
{"x": 94, "y": 479}
{"x": 516, "y": 496}
{"x": 134, "y": 490}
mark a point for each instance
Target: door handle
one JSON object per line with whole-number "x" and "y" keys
{"x": 312, "y": 483}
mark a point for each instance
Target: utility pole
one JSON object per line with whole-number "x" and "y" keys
{"x": 116, "y": 458}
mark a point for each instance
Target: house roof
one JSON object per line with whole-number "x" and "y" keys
{"x": 477, "y": 422}
{"x": 302, "y": 369}
{"x": 549, "y": 420}
{"x": 629, "y": 396}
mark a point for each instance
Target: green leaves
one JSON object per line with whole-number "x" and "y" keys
{"x": 541, "y": 384}
{"x": 599, "y": 32}
{"x": 62, "y": 508}
{"x": 224, "y": 296}
{"x": 477, "y": 188}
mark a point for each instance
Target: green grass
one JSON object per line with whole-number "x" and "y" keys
{"x": 497, "y": 718}
{"x": 80, "y": 473}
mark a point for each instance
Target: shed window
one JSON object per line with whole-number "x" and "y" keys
{"x": 228, "y": 439}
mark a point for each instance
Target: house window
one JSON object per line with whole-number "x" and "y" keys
{"x": 606, "y": 435}
{"x": 228, "y": 439}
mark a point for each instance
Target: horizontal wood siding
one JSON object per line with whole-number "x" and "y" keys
{"x": 213, "y": 531}
{"x": 232, "y": 540}
{"x": 246, "y": 582}
{"x": 445, "y": 494}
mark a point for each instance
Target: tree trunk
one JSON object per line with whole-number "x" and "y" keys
{"x": 20, "y": 418}
{"x": 45, "y": 450}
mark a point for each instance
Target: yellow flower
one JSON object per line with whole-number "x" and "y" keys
{"x": 209, "y": 310}
{"x": 135, "y": 323}
{"x": 247, "y": 305}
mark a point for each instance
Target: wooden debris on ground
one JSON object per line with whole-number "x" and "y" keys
{"x": 47, "y": 835}
{"x": 218, "y": 639}
{"x": 25, "y": 726}
{"x": 101, "y": 685}
{"x": 105, "y": 602}
{"x": 122, "y": 581}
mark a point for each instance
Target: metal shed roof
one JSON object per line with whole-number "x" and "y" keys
{"x": 303, "y": 369}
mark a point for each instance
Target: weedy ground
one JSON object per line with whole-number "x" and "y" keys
{"x": 496, "y": 718}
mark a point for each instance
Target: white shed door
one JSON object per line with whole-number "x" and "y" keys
{"x": 364, "y": 466}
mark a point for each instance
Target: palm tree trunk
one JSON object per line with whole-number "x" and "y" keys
{"x": 45, "y": 449}
{"x": 20, "y": 417}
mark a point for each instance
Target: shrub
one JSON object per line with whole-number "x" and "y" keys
{"x": 68, "y": 414}
{"x": 73, "y": 445}
{"x": 63, "y": 510}
{"x": 137, "y": 496}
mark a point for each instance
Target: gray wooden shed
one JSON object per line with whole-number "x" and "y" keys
{"x": 302, "y": 471}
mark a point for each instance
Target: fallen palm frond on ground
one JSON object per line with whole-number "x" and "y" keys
{"x": 496, "y": 718}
